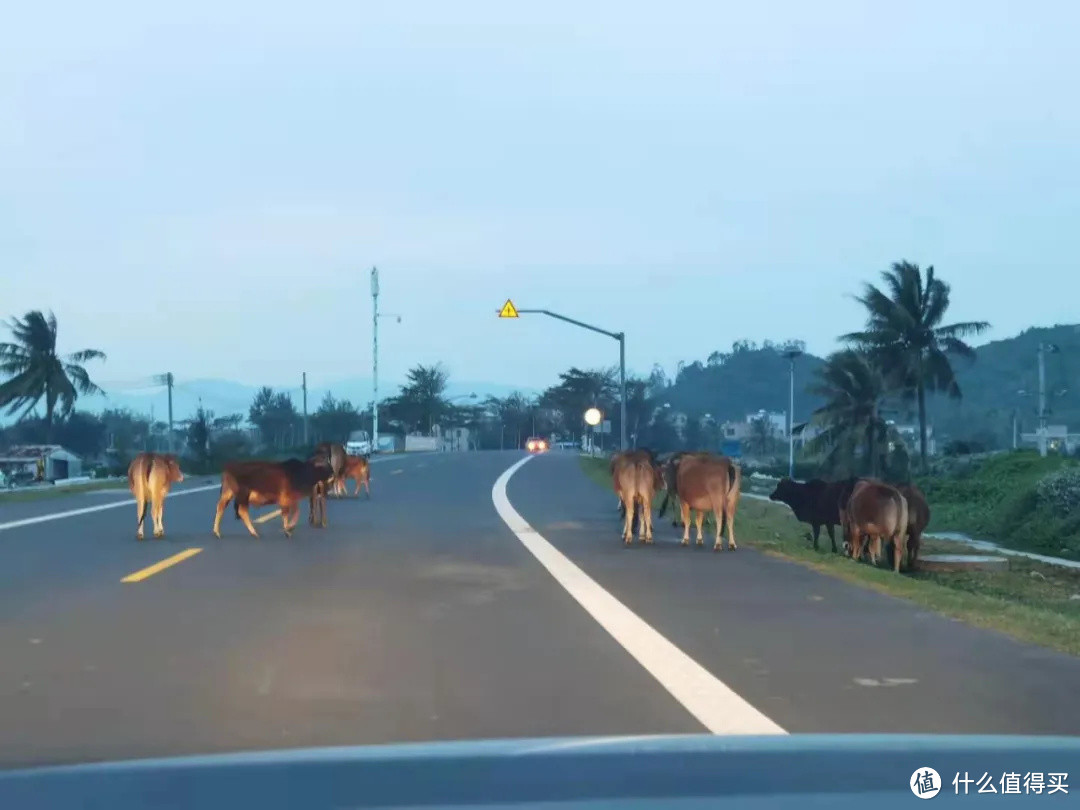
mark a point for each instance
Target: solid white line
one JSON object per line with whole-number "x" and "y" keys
{"x": 125, "y": 501}
{"x": 708, "y": 699}
{"x": 14, "y": 524}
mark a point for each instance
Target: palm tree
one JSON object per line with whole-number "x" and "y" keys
{"x": 853, "y": 388}
{"x": 36, "y": 371}
{"x": 904, "y": 333}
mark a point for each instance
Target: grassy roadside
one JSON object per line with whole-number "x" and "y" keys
{"x": 15, "y": 496}
{"x": 1031, "y": 601}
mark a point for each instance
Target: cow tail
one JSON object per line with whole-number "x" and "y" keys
{"x": 734, "y": 488}
{"x": 900, "y": 543}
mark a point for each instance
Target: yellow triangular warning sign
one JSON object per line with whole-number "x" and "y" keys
{"x": 508, "y": 310}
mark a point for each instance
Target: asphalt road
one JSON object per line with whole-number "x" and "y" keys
{"x": 433, "y": 612}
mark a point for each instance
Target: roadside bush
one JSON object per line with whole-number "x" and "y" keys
{"x": 1060, "y": 491}
{"x": 1015, "y": 498}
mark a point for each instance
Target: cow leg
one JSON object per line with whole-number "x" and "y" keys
{"x": 699, "y": 519}
{"x": 729, "y": 519}
{"x": 294, "y": 516}
{"x": 286, "y": 514}
{"x": 628, "y": 520}
{"x": 223, "y": 502}
{"x": 647, "y": 515}
{"x": 718, "y": 516}
{"x": 817, "y": 533}
{"x": 856, "y": 545}
{"x": 245, "y": 515}
{"x": 140, "y": 513}
{"x": 913, "y": 548}
{"x": 832, "y": 537}
{"x": 157, "y": 509}
{"x": 684, "y": 510}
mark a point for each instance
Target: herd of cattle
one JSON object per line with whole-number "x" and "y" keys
{"x": 869, "y": 512}
{"x": 284, "y": 484}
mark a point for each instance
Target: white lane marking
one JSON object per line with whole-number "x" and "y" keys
{"x": 125, "y": 501}
{"x": 707, "y": 698}
{"x": 14, "y": 524}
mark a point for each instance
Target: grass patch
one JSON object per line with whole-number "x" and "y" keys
{"x": 996, "y": 499}
{"x": 17, "y": 496}
{"x": 1031, "y": 601}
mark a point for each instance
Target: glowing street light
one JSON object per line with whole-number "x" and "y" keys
{"x": 593, "y": 417}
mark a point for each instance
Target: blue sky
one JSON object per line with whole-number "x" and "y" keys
{"x": 204, "y": 191}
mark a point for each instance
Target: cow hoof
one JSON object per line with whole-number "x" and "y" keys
{"x": 139, "y": 536}
{"x": 159, "y": 535}
{"x": 217, "y": 534}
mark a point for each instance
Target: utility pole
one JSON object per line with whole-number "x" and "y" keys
{"x": 374, "y": 359}
{"x": 167, "y": 379}
{"x": 791, "y": 354}
{"x": 1044, "y": 349}
{"x": 304, "y": 386}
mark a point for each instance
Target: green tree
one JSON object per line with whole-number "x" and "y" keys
{"x": 905, "y": 334}
{"x": 36, "y": 371}
{"x": 275, "y": 416}
{"x": 198, "y": 436}
{"x": 420, "y": 402}
{"x": 577, "y": 391}
{"x": 513, "y": 414}
{"x": 854, "y": 389}
{"x": 762, "y": 436}
{"x": 335, "y": 419}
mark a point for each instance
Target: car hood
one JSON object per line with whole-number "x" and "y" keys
{"x": 661, "y": 771}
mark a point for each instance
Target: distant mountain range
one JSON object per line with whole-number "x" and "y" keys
{"x": 1002, "y": 381}
{"x": 225, "y": 397}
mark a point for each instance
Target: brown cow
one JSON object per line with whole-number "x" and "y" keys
{"x": 705, "y": 482}
{"x": 918, "y": 519}
{"x": 669, "y": 467}
{"x": 337, "y": 456}
{"x": 634, "y": 477}
{"x": 284, "y": 484}
{"x": 879, "y": 512}
{"x": 149, "y": 477}
{"x": 358, "y": 468}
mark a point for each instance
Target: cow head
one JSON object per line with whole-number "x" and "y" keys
{"x": 173, "y": 473}
{"x": 786, "y": 491}
{"x": 321, "y": 454}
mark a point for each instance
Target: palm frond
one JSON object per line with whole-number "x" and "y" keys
{"x": 85, "y": 355}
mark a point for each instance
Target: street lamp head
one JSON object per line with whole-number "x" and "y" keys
{"x": 791, "y": 354}
{"x": 593, "y": 417}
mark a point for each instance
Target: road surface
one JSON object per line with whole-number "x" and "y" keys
{"x": 462, "y": 601}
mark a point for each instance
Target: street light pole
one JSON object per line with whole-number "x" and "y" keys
{"x": 374, "y": 359}
{"x": 1044, "y": 349}
{"x": 791, "y": 354}
{"x": 619, "y": 336}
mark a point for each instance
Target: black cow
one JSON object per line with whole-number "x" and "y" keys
{"x": 815, "y": 502}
